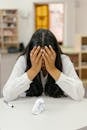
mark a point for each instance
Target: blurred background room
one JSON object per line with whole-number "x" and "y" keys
{"x": 65, "y": 18}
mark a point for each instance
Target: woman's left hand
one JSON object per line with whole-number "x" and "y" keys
{"x": 49, "y": 57}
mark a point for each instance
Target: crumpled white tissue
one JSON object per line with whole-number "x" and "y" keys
{"x": 38, "y": 107}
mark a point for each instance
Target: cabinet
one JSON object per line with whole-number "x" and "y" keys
{"x": 8, "y": 28}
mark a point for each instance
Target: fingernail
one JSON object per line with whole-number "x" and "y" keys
{"x": 34, "y": 47}
{"x": 42, "y": 50}
{"x": 38, "y": 47}
{"x": 45, "y": 46}
{"x": 50, "y": 46}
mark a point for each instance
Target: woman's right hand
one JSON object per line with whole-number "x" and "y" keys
{"x": 36, "y": 62}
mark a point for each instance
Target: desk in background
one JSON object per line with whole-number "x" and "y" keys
{"x": 60, "y": 114}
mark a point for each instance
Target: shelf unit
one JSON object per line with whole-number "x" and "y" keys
{"x": 75, "y": 57}
{"x": 8, "y": 28}
{"x": 84, "y": 58}
{"x": 79, "y": 59}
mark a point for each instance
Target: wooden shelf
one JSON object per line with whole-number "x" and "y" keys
{"x": 75, "y": 58}
{"x": 84, "y": 57}
{"x": 84, "y": 67}
{"x": 85, "y": 51}
{"x": 79, "y": 57}
{"x": 81, "y": 51}
{"x": 8, "y": 27}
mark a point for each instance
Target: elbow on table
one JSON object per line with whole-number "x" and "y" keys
{"x": 79, "y": 91}
{"x": 8, "y": 95}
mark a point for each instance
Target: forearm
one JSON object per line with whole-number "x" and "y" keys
{"x": 55, "y": 73}
{"x": 32, "y": 72}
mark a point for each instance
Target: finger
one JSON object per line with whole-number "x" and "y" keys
{"x": 46, "y": 54}
{"x": 53, "y": 52}
{"x": 40, "y": 60}
{"x": 48, "y": 51}
{"x": 39, "y": 56}
{"x": 45, "y": 59}
{"x": 33, "y": 50}
{"x": 36, "y": 51}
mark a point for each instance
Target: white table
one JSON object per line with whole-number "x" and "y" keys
{"x": 60, "y": 114}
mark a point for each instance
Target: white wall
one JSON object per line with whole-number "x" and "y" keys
{"x": 26, "y": 26}
{"x": 70, "y": 23}
{"x": 81, "y": 13}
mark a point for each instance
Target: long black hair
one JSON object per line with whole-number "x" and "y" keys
{"x": 44, "y": 37}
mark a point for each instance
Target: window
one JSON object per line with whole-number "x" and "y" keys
{"x": 56, "y": 20}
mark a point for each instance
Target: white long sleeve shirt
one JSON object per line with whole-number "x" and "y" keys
{"x": 18, "y": 81}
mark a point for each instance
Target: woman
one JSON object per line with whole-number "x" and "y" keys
{"x": 43, "y": 69}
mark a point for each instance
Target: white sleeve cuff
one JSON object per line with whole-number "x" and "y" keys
{"x": 61, "y": 78}
{"x": 26, "y": 78}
